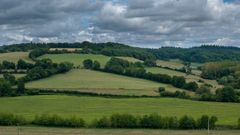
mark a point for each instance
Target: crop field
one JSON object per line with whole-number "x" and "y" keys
{"x": 69, "y": 131}
{"x": 189, "y": 78}
{"x": 15, "y": 56}
{"x": 90, "y": 108}
{"x": 100, "y": 82}
{"x": 76, "y": 59}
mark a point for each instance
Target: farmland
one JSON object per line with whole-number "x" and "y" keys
{"x": 100, "y": 82}
{"x": 91, "y": 108}
{"x": 130, "y": 59}
{"x": 69, "y": 131}
{"x": 15, "y": 56}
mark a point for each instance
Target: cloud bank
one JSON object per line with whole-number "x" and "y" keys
{"x": 144, "y": 23}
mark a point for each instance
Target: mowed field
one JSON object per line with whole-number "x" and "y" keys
{"x": 100, "y": 82}
{"x": 76, "y": 59}
{"x": 69, "y": 131}
{"x": 90, "y": 108}
{"x": 15, "y": 56}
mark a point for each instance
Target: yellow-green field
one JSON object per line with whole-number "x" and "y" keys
{"x": 69, "y": 131}
{"x": 170, "y": 64}
{"x": 90, "y": 108}
{"x": 15, "y": 56}
{"x": 100, "y": 82}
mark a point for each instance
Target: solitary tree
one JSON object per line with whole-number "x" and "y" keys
{"x": 21, "y": 87}
{"x": 96, "y": 65}
{"x": 88, "y": 63}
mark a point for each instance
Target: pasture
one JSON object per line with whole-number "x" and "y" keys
{"x": 130, "y": 59}
{"x": 15, "y": 56}
{"x": 69, "y": 131}
{"x": 170, "y": 64}
{"x": 90, "y": 108}
{"x": 100, "y": 82}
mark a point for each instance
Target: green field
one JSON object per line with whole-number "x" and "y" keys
{"x": 76, "y": 59}
{"x": 15, "y": 56}
{"x": 130, "y": 59}
{"x": 69, "y": 131}
{"x": 189, "y": 78}
{"x": 171, "y": 64}
{"x": 100, "y": 82}
{"x": 91, "y": 108}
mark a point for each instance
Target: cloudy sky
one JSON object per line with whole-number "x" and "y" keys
{"x": 144, "y": 23}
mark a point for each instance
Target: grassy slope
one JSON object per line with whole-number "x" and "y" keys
{"x": 69, "y": 131}
{"x": 100, "y": 82}
{"x": 170, "y": 64}
{"x": 90, "y": 108}
{"x": 76, "y": 59}
{"x": 130, "y": 59}
{"x": 189, "y": 78}
{"x": 15, "y": 56}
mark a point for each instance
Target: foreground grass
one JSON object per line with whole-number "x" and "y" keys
{"x": 90, "y": 108}
{"x": 15, "y": 56}
{"x": 100, "y": 82}
{"x": 76, "y": 59}
{"x": 69, "y": 131}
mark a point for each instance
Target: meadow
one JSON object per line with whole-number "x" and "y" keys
{"x": 90, "y": 108}
{"x": 76, "y": 59}
{"x": 69, "y": 131}
{"x": 130, "y": 59}
{"x": 15, "y": 56}
{"x": 174, "y": 64}
{"x": 100, "y": 82}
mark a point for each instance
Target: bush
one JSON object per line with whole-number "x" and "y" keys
{"x": 152, "y": 121}
{"x": 88, "y": 64}
{"x": 187, "y": 122}
{"x": 161, "y": 89}
{"x": 104, "y": 122}
{"x": 5, "y": 88}
{"x": 123, "y": 121}
{"x": 57, "y": 121}
{"x": 7, "y": 119}
{"x": 96, "y": 65}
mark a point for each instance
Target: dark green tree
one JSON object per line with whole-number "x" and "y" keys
{"x": 9, "y": 77}
{"x": 20, "y": 87}
{"x": 5, "y": 88}
{"x": 88, "y": 64}
{"x": 96, "y": 65}
{"x": 226, "y": 94}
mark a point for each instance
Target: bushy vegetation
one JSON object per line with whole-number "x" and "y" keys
{"x": 123, "y": 67}
{"x": 8, "y": 119}
{"x": 45, "y": 68}
{"x": 57, "y": 121}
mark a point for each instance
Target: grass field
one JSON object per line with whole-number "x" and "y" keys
{"x": 189, "y": 78}
{"x": 91, "y": 108}
{"x": 171, "y": 64}
{"x": 130, "y": 59}
{"x": 69, "y": 131}
{"x": 100, "y": 82}
{"x": 76, "y": 59}
{"x": 15, "y": 56}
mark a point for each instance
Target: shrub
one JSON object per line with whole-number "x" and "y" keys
{"x": 57, "y": 121}
{"x": 7, "y": 119}
{"x": 104, "y": 122}
{"x": 96, "y": 65}
{"x": 161, "y": 89}
{"x": 88, "y": 64}
{"x": 123, "y": 121}
{"x": 152, "y": 121}
{"x": 187, "y": 122}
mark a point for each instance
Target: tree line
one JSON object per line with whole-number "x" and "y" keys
{"x": 41, "y": 69}
{"x": 123, "y": 67}
{"x": 150, "y": 121}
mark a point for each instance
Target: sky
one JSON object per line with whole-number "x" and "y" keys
{"x": 142, "y": 23}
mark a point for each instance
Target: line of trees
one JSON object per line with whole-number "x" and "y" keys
{"x": 151, "y": 121}
{"x": 21, "y": 64}
{"x": 123, "y": 67}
